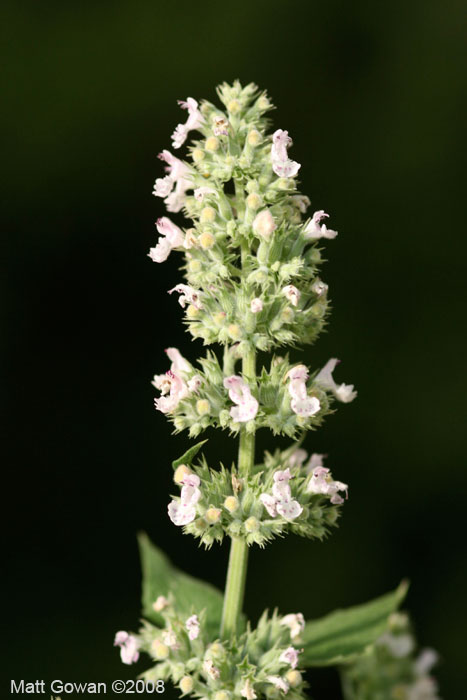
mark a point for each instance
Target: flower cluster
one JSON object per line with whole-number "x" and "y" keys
{"x": 284, "y": 398}
{"x": 261, "y": 662}
{"x": 392, "y": 668}
{"x": 284, "y": 494}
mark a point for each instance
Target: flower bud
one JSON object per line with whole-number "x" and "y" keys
{"x": 186, "y": 684}
{"x": 181, "y": 472}
{"x": 252, "y": 524}
{"x": 256, "y": 305}
{"x": 197, "y": 155}
{"x": 208, "y": 214}
{"x": 294, "y": 678}
{"x": 212, "y": 143}
{"x": 253, "y": 201}
{"x": 254, "y": 138}
{"x": 192, "y": 311}
{"x": 159, "y": 650}
{"x": 203, "y": 407}
{"x": 222, "y": 695}
{"x": 264, "y": 224}
{"x": 231, "y": 504}
{"x": 206, "y": 240}
{"x": 234, "y": 331}
{"x": 194, "y": 266}
{"x": 212, "y": 515}
{"x": 234, "y": 106}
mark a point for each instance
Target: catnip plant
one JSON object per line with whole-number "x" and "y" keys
{"x": 251, "y": 289}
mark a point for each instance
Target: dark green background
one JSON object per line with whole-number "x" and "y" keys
{"x": 373, "y": 96}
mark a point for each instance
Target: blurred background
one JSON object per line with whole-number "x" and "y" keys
{"x": 374, "y": 98}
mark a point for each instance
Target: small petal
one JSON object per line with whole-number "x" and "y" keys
{"x": 256, "y": 305}
{"x": 192, "y": 626}
{"x": 281, "y": 164}
{"x": 279, "y": 683}
{"x": 269, "y": 502}
{"x": 289, "y": 510}
{"x": 290, "y": 656}
{"x": 295, "y": 622}
{"x": 313, "y": 230}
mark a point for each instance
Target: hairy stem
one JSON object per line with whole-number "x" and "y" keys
{"x": 238, "y": 559}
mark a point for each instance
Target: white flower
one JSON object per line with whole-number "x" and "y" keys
{"x": 316, "y": 460}
{"x": 192, "y": 626}
{"x": 240, "y": 393}
{"x": 194, "y": 121}
{"x": 399, "y": 645}
{"x": 301, "y": 201}
{"x": 425, "y": 661}
{"x": 170, "y": 639}
{"x": 425, "y": 688}
{"x": 292, "y": 294}
{"x": 290, "y": 656}
{"x": 282, "y": 166}
{"x": 194, "y": 384}
{"x": 172, "y": 238}
{"x": 281, "y": 502}
{"x": 248, "y": 691}
{"x": 174, "y": 185}
{"x": 188, "y": 295}
{"x": 279, "y": 683}
{"x": 321, "y": 482}
{"x": 256, "y": 305}
{"x": 295, "y": 622}
{"x": 129, "y": 646}
{"x": 179, "y": 364}
{"x": 183, "y": 511}
{"x": 301, "y": 404}
{"x": 342, "y": 392}
{"x": 319, "y": 288}
{"x": 220, "y": 126}
{"x": 173, "y": 385}
{"x": 264, "y": 224}
{"x": 313, "y": 230}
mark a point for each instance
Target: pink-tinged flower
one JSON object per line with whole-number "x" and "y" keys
{"x": 179, "y": 364}
{"x": 281, "y": 164}
{"x": 321, "y": 482}
{"x": 313, "y": 230}
{"x": 172, "y": 237}
{"x": 292, "y": 294}
{"x": 183, "y": 511}
{"x": 279, "y": 683}
{"x": 239, "y": 392}
{"x": 173, "y": 390}
{"x": 316, "y": 460}
{"x": 256, "y": 305}
{"x": 202, "y": 192}
{"x": 297, "y": 458}
{"x": 290, "y": 656}
{"x": 300, "y": 403}
{"x": 342, "y": 392}
{"x": 281, "y": 501}
{"x": 248, "y": 691}
{"x": 192, "y": 626}
{"x": 174, "y": 185}
{"x": 194, "y": 384}
{"x": 129, "y": 646}
{"x": 424, "y": 688}
{"x": 264, "y": 224}
{"x": 425, "y": 661}
{"x": 194, "y": 121}
{"x": 295, "y": 622}
{"x": 188, "y": 295}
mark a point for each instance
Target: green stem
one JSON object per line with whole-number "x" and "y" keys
{"x": 238, "y": 559}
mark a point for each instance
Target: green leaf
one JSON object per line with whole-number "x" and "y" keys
{"x": 189, "y": 455}
{"x": 161, "y": 577}
{"x": 343, "y": 634}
